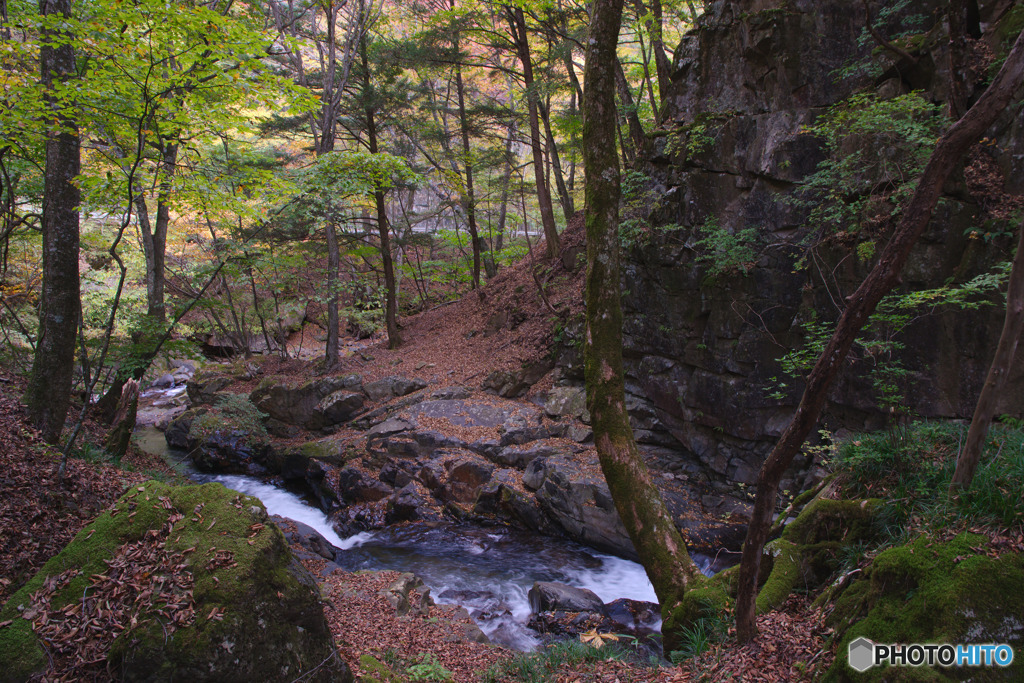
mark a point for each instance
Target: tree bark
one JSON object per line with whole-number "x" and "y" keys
{"x": 49, "y": 390}
{"x": 564, "y": 198}
{"x": 333, "y": 324}
{"x": 948, "y": 152}
{"x": 517, "y": 24}
{"x": 967, "y": 462}
{"x": 120, "y": 434}
{"x": 470, "y": 196}
{"x": 649, "y": 524}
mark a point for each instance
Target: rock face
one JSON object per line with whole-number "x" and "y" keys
{"x": 703, "y": 364}
{"x": 319, "y": 404}
{"x": 243, "y": 608}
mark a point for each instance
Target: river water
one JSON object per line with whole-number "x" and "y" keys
{"x": 487, "y": 570}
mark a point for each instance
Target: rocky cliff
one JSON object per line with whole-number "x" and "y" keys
{"x": 703, "y": 345}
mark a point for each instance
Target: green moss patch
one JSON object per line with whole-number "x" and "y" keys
{"x": 254, "y": 613}
{"x": 929, "y": 592}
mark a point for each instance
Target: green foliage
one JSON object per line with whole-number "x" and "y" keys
{"x": 911, "y": 469}
{"x": 727, "y": 252}
{"x": 542, "y": 666}
{"x": 232, "y": 412}
{"x": 879, "y": 342}
{"x": 639, "y": 202}
{"x": 900, "y": 26}
{"x": 876, "y": 149}
{"x": 427, "y": 668}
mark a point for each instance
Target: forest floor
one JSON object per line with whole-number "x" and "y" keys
{"x": 504, "y": 326}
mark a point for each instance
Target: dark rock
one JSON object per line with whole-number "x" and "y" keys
{"x": 204, "y": 387}
{"x": 633, "y": 616}
{"x": 521, "y": 457}
{"x": 339, "y": 407}
{"x": 356, "y": 487}
{"x": 465, "y": 477}
{"x": 282, "y": 430}
{"x": 314, "y": 405}
{"x": 513, "y": 384}
{"x": 548, "y": 596}
{"x": 177, "y": 431}
{"x": 391, "y": 387}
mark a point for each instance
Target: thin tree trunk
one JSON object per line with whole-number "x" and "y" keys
{"x": 547, "y": 215}
{"x": 564, "y": 198}
{"x": 649, "y": 524}
{"x": 948, "y": 152}
{"x": 333, "y": 264}
{"x": 636, "y": 129}
{"x": 49, "y": 390}
{"x": 155, "y": 266}
{"x": 967, "y": 462}
{"x": 654, "y": 27}
{"x": 120, "y": 434}
{"x": 470, "y": 198}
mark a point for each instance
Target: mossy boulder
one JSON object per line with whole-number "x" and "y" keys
{"x": 245, "y": 609}
{"x": 229, "y": 437}
{"x": 932, "y": 592}
{"x": 808, "y": 552}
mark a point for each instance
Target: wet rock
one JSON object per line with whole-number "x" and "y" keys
{"x": 500, "y": 498}
{"x": 411, "y": 502}
{"x": 177, "y": 431}
{"x": 548, "y": 596}
{"x": 163, "y": 382}
{"x": 580, "y": 503}
{"x": 296, "y": 532}
{"x": 633, "y": 616}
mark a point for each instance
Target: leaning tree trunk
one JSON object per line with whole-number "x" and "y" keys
{"x": 948, "y": 152}
{"x": 967, "y": 462}
{"x": 649, "y": 524}
{"x": 49, "y": 390}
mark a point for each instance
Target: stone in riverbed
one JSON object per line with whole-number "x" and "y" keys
{"x": 549, "y": 596}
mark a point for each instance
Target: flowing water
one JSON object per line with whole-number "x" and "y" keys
{"x": 487, "y": 570}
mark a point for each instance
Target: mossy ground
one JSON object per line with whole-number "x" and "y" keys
{"x": 265, "y": 610}
{"x": 933, "y": 592}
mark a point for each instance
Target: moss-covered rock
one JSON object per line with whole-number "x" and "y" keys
{"x": 930, "y": 592}
{"x": 809, "y": 550}
{"x": 710, "y": 598}
{"x": 255, "y": 612}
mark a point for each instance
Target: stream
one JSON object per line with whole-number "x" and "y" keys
{"x": 487, "y": 570}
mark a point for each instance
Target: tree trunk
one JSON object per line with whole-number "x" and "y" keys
{"x": 333, "y": 263}
{"x": 564, "y": 198}
{"x": 470, "y": 197}
{"x": 649, "y": 524}
{"x": 49, "y": 390}
{"x": 120, "y": 434}
{"x": 636, "y": 129}
{"x": 547, "y": 215}
{"x": 948, "y": 152}
{"x": 967, "y": 462}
